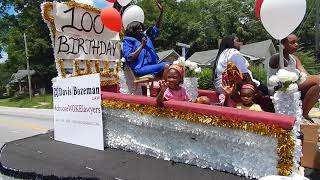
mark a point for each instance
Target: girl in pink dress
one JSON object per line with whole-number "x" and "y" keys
{"x": 170, "y": 89}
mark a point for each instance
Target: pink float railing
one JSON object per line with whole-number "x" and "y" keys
{"x": 279, "y": 120}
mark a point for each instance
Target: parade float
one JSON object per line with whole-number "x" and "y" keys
{"x": 95, "y": 106}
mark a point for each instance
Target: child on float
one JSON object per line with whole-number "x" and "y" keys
{"x": 247, "y": 94}
{"x": 170, "y": 88}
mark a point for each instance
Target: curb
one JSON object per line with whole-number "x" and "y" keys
{"x": 27, "y": 112}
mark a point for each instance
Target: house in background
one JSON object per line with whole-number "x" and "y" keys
{"x": 262, "y": 50}
{"x": 20, "y": 79}
{"x": 204, "y": 58}
{"x": 256, "y": 53}
{"x": 168, "y": 56}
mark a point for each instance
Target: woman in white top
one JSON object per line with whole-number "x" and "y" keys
{"x": 310, "y": 88}
{"x": 229, "y": 52}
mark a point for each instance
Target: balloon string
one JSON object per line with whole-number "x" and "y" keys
{"x": 281, "y": 61}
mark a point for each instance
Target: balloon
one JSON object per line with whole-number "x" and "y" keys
{"x": 111, "y": 18}
{"x": 258, "y": 8}
{"x": 132, "y": 13}
{"x": 112, "y": 1}
{"x": 124, "y": 2}
{"x": 276, "y": 177}
{"x": 282, "y": 17}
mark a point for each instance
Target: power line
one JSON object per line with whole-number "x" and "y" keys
{"x": 306, "y": 18}
{"x": 317, "y": 31}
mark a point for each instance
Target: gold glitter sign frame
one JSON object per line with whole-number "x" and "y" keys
{"x": 82, "y": 66}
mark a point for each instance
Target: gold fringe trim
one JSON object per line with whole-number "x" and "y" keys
{"x": 83, "y": 6}
{"x": 96, "y": 66}
{"x": 88, "y": 67}
{"x": 109, "y": 74}
{"x": 76, "y": 68}
{"x": 285, "y": 142}
{"x": 47, "y": 7}
{"x": 106, "y": 65}
{"x": 61, "y": 67}
{"x": 106, "y": 71}
{"x": 109, "y": 82}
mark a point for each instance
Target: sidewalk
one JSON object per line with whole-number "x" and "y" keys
{"x": 27, "y": 112}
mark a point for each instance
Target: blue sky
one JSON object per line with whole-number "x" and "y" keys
{"x": 11, "y": 10}
{"x": 100, "y": 4}
{"x": 4, "y": 57}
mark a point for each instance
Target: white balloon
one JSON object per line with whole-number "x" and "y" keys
{"x": 132, "y": 13}
{"x": 124, "y": 2}
{"x": 276, "y": 177}
{"x": 282, "y": 17}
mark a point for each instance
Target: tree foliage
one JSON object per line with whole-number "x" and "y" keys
{"x": 27, "y": 20}
{"x": 308, "y": 60}
{"x": 306, "y": 31}
{"x": 200, "y": 23}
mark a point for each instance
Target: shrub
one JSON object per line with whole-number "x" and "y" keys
{"x": 308, "y": 60}
{"x": 205, "y": 79}
{"x": 259, "y": 73}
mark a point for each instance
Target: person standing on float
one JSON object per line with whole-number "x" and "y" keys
{"x": 138, "y": 49}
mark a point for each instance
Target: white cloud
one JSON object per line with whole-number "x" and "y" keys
{"x": 89, "y": 2}
{"x": 100, "y": 4}
{"x": 4, "y": 57}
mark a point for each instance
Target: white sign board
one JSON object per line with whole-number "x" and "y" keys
{"x": 80, "y": 34}
{"x": 78, "y": 112}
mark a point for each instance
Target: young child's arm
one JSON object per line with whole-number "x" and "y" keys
{"x": 229, "y": 91}
{"x": 163, "y": 88}
{"x": 203, "y": 100}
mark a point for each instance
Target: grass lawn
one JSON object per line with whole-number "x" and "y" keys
{"x": 39, "y": 102}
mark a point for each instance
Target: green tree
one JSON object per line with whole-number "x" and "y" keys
{"x": 306, "y": 30}
{"x": 202, "y": 23}
{"x": 309, "y": 61}
{"x": 28, "y": 20}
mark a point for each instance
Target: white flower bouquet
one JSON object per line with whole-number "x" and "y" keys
{"x": 119, "y": 63}
{"x": 191, "y": 68}
{"x": 287, "y": 81}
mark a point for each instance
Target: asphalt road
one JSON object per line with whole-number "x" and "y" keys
{"x": 16, "y": 123}
{"x": 13, "y": 127}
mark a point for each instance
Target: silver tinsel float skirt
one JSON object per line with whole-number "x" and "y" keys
{"x": 231, "y": 150}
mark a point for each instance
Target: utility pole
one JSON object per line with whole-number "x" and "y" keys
{"x": 317, "y": 31}
{"x": 28, "y": 65}
{"x": 184, "y": 52}
{"x": 184, "y": 48}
